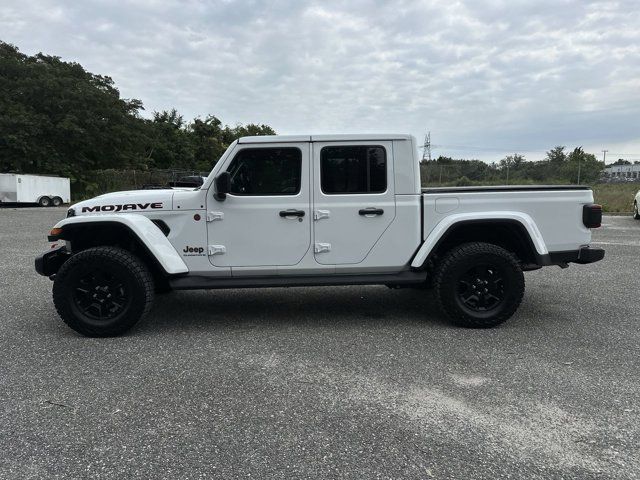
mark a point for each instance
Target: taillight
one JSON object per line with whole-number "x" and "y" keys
{"x": 592, "y": 215}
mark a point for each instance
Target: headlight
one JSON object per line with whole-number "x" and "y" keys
{"x": 71, "y": 213}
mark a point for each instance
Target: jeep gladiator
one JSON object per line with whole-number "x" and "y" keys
{"x": 312, "y": 211}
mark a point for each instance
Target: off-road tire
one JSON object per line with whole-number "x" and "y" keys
{"x": 56, "y": 201}
{"x": 636, "y": 214}
{"x": 132, "y": 281}
{"x": 451, "y": 287}
{"x": 44, "y": 202}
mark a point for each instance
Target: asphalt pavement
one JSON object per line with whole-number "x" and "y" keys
{"x": 348, "y": 382}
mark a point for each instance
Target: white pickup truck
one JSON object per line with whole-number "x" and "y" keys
{"x": 312, "y": 211}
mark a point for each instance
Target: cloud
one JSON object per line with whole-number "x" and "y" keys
{"x": 503, "y": 75}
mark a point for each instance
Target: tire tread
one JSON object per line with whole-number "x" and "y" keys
{"x": 127, "y": 260}
{"x": 444, "y": 270}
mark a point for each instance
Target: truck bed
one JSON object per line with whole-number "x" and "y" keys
{"x": 555, "y": 211}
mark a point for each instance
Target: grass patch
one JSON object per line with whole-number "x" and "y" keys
{"x": 615, "y": 197}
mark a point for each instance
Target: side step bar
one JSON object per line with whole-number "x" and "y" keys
{"x": 197, "y": 282}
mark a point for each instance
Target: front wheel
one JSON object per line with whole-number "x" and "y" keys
{"x": 44, "y": 201}
{"x": 57, "y": 201}
{"x": 479, "y": 285}
{"x": 102, "y": 291}
{"x": 636, "y": 214}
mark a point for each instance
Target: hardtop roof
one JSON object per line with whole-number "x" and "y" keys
{"x": 324, "y": 138}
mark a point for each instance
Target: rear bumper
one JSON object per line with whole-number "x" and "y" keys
{"x": 582, "y": 256}
{"x": 48, "y": 263}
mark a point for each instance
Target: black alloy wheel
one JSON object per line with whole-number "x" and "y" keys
{"x": 103, "y": 291}
{"x": 481, "y": 288}
{"x": 478, "y": 285}
{"x": 100, "y": 295}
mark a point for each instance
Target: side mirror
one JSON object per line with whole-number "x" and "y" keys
{"x": 223, "y": 186}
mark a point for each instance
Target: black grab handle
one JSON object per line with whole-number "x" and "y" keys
{"x": 292, "y": 213}
{"x": 371, "y": 211}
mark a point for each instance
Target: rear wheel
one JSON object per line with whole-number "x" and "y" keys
{"x": 57, "y": 201}
{"x": 479, "y": 285}
{"x": 102, "y": 291}
{"x": 44, "y": 201}
{"x": 636, "y": 214}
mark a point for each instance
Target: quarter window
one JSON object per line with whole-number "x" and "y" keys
{"x": 266, "y": 171}
{"x": 353, "y": 169}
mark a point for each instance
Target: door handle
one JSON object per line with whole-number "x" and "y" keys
{"x": 371, "y": 211}
{"x": 291, "y": 213}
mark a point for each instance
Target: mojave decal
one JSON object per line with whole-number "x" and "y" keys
{"x": 122, "y": 207}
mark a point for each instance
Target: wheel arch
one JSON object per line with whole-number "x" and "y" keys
{"x": 135, "y": 233}
{"x": 516, "y": 232}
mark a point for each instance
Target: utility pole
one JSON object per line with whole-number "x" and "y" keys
{"x": 604, "y": 156}
{"x": 578, "y": 170}
{"x": 508, "y": 166}
{"x": 426, "y": 148}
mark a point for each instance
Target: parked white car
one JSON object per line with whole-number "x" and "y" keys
{"x": 312, "y": 211}
{"x": 636, "y": 205}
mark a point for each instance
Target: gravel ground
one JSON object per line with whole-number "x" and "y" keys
{"x": 350, "y": 382}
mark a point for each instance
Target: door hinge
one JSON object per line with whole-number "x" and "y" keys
{"x": 211, "y": 216}
{"x": 217, "y": 249}
{"x": 320, "y": 214}
{"x": 322, "y": 247}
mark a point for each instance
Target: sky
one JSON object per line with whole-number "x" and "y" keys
{"x": 486, "y": 78}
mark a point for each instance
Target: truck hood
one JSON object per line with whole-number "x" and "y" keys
{"x": 134, "y": 201}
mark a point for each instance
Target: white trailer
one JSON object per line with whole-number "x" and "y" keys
{"x": 40, "y": 189}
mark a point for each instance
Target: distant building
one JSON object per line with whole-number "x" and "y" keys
{"x": 622, "y": 171}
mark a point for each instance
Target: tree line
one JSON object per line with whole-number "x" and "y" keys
{"x": 558, "y": 166}
{"x": 57, "y": 118}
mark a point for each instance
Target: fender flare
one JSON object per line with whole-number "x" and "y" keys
{"x": 144, "y": 230}
{"x": 443, "y": 227}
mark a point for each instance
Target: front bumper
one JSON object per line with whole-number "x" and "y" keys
{"x": 48, "y": 263}
{"x": 583, "y": 255}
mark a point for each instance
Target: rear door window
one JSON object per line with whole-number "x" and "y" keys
{"x": 353, "y": 169}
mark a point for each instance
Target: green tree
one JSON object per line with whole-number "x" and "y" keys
{"x": 583, "y": 167}
{"x": 207, "y": 141}
{"x": 170, "y": 145}
{"x": 514, "y": 161}
{"x": 557, "y": 155}
{"x": 511, "y": 164}
{"x": 55, "y": 117}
